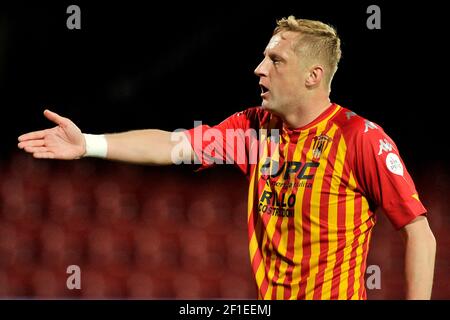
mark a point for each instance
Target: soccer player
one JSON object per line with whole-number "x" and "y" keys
{"x": 316, "y": 170}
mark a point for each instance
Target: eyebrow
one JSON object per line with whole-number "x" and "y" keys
{"x": 273, "y": 55}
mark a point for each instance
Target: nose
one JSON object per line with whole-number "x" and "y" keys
{"x": 261, "y": 69}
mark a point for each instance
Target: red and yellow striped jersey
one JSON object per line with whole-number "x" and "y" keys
{"x": 312, "y": 196}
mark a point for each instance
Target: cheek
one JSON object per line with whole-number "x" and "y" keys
{"x": 297, "y": 82}
{"x": 291, "y": 85}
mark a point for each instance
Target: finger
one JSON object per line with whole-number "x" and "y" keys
{"x": 33, "y": 135}
{"x": 31, "y": 143}
{"x": 44, "y": 155}
{"x": 36, "y": 149}
{"x": 56, "y": 118}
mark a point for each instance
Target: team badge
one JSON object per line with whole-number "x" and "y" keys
{"x": 320, "y": 144}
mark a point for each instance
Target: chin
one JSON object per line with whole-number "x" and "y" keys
{"x": 271, "y": 108}
{"x": 267, "y": 106}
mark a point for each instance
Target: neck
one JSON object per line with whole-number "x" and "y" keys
{"x": 305, "y": 112}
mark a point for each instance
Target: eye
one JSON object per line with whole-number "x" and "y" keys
{"x": 275, "y": 60}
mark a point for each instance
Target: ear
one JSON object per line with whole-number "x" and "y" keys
{"x": 314, "y": 77}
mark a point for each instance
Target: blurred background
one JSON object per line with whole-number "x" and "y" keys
{"x": 145, "y": 232}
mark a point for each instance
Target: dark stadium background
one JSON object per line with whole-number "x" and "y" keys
{"x": 143, "y": 232}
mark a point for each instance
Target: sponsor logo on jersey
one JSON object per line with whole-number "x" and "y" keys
{"x": 394, "y": 164}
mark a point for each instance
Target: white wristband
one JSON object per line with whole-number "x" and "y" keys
{"x": 96, "y": 145}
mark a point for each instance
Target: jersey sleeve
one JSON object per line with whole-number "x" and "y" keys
{"x": 225, "y": 143}
{"x": 382, "y": 174}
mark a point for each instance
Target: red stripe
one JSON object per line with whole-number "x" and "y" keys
{"x": 323, "y": 227}
{"x": 277, "y": 235}
{"x": 306, "y": 228}
{"x": 265, "y": 219}
{"x": 356, "y": 233}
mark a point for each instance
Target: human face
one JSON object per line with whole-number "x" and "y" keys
{"x": 281, "y": 74}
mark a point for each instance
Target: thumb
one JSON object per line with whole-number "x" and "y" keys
{"x": 54, "y": 117}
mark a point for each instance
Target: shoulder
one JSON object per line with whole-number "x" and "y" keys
{"x": 255, "y": 117}
{"x": 257, "y": 112}
{"x": 365, "y": 138}
{"x": 356, "y": 127}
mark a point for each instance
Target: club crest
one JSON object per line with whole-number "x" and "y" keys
{"x": 320, "y": 144}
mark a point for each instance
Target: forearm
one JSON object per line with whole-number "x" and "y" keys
{"x": 419, "y": 265}
{"x": 149, "y": 146}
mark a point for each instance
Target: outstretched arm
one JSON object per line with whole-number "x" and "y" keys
{"x": 148, "y": 146}
{"x": 66, "y": 141}
{"x": 420, "y": 251}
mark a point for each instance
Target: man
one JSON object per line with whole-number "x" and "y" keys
{"x": 315, "y": 184}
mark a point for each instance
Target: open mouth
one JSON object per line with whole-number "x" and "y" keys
{"x": 264, "y": 89}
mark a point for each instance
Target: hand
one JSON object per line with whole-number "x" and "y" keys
{"x": 65, "y": 141}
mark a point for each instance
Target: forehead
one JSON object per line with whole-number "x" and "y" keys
{"x": 283, "y": 41}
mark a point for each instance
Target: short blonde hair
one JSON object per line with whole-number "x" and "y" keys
{"x": 318, "y": 42}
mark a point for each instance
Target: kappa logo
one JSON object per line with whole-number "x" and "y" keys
{"x": 320, "y": 144}
{"x": 369, "y": 125}
{"x": 350, "y": 114}
{"x": 385, "y": 146}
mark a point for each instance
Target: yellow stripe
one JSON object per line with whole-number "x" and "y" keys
{"x": 338, "y": 107}
{"x": 315, "y": 219}
{"x": 349, "y": 236}
{"x": 333, "y": 218}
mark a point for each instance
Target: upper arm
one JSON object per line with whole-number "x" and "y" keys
{"x": 382, "y": 175}
{"x": 225, "y": 142}
{"x": 178, "y": 148}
